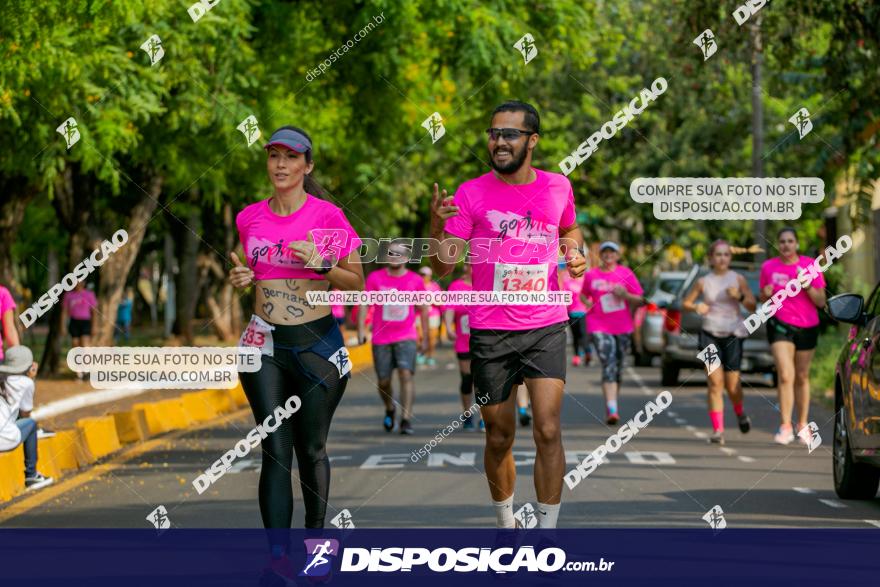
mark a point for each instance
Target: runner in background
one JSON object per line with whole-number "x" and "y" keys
{"x": 577, "y": 321}
{"x": 8, "y": 333}
{"x": 338, "y": 312}
{"x": 459, "y": 332}
{"x": 793, "y": 331}
{"x": 78, "y": 304}
{"x": 434, "y": 320}
{"x": 722, "y": 292}
{"x": 532, "y": 213}
{"x": 123, "y": 315}
{"x": 394, "y": 336}
{"x": 610, "y": 292}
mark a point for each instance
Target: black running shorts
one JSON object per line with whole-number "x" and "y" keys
{"x": 504, "y": 358}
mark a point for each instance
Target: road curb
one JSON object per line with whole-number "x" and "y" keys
{"x": 95, "y": 437}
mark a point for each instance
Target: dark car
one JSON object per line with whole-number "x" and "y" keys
{"x": 856, "y": 449}
{"x": 681, "y": 332}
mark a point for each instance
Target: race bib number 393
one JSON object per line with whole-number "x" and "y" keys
{"x": 510, "y": 277}
{"x": 258, "y": 334}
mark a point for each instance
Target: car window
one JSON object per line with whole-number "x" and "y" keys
{"x": 669, "y": 285}
{"x": 873, "y": 306}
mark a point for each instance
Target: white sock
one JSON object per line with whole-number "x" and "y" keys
{"x": 504, "y": 513}
{"x": 547, "y": 515}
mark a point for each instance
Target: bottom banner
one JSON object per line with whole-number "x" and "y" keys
{"x": 177, "y": 557}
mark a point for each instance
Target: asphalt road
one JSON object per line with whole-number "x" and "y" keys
{"x": 666, "y": 476}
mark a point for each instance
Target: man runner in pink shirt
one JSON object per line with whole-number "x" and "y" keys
{"x": 529, "y": 211}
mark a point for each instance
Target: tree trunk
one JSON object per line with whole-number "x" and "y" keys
{"x": 221, "y": 298}
{"x": 759, "y": 235}
{"x": 115, "y": 270}
{"x": 17, "y": 193}
{"x": 187, "y": 281}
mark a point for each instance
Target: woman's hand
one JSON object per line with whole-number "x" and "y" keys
{"x": 702, "y": 309}
{"x": 306, "y": 252}
{"x": 240, "y": 276}
{"x": 767, "y": 291}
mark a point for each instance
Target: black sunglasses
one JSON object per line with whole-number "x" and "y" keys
{"x": 508, "y": 134}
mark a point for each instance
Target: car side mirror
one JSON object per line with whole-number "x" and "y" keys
{"x": 847, "y": 308}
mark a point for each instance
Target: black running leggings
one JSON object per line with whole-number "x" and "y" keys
{"x": 578, "y": 333}
{"x": 305, "y": 432}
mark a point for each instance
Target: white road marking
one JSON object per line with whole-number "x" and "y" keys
{"x": 805, "y": 490}
{"x": 672, "y": 414}
{"x": 746, "y": 459}
{"x": 690, "y": 428}
{"x": 727, "y": 451}
{"x": 649, "y": 458}
{"x": 700, "y": 435}
{"x": 833, "y": 503}
{"x": 874, "y": 522}
{"x": 680, "y": 421}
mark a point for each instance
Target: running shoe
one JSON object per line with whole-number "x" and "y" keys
{"x": 717, "y": 437}
{"x": 431, "y": 362}
{"x": 468, "y": 424}
{"x": 406, "y": 427}
{"x": 804, "y": 434}
{"x": 420, "y": 359}
{"x": 576, "y": 361}
{"x": 612, "y": 419}
{"x": 524, "y": 417}
{"x": 388, "y": 420}
{"x": 745, "y": 423}
{"x": 43, "y": 433}
{"x": 784, "y": 435}
{"x": 38, "y": 481}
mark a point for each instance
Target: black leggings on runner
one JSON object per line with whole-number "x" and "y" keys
{"x": 578, "y": 333}
{"x": 305, "y": 433}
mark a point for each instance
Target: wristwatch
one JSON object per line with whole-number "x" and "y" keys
{"x": 326, "y": 266}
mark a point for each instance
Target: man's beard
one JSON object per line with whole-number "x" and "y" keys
{"x": 513, "y": 164}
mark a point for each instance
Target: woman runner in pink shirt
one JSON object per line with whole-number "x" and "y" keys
{"x": 793, "y": 331}
{"x": 294, "y": 242}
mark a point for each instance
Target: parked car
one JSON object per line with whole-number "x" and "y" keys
{"x": 681, "y": 331}
{"x": 648, "y": 319}
{"x": 856, "y": 446}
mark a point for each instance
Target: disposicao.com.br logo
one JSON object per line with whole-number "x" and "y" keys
{"x": 464, "y": 560}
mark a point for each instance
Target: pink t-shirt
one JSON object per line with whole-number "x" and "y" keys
{"x": 527, "y": 219}
{"x": 265, "y": 235}
{"x": 6, "y": 303}
{"x": 575, "y": 286}
{"x": 433, "y": 286}
{"x": 79, "y": 304}
{"x": 461, "y": 317}
{"x": 394, "y": 322}
{"x": 798, "y": 311}
{"x": 337, "y": 310}
{"x": 610, "y": 314}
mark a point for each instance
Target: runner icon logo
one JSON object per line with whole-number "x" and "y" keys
{"x": 801, "y": 121}
{"x": 250, "y": 129}
{"x": 715, "y": 518}
{"x": 70, "y": 131}
{"x": 706, "y": 42}
{"x": 526, "y": 46}
{"x": 159, "y": 518}
{"x": 809, "y": 435}
{"x": 321, "y": 552}
{"x": 710, "y": 358}
{"x": 526, "y": 516}
{"x": 153, "y": 48}
{"x": 343, "y": 520}
{"x": 434, "y": 125}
